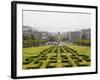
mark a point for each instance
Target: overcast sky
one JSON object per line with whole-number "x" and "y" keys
{"x": 54, "y": 22}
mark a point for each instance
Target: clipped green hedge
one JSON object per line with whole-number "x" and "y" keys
{"x": 30, "y": 42}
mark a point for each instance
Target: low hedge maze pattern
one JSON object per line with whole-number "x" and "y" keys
{"x": 56, "y": 57}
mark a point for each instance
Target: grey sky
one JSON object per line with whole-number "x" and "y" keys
{"x": 54, "y": 22}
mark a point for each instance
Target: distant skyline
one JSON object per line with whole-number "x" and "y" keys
{"x": 56, "y": 22}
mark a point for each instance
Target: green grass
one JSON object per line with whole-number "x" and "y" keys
{"x": 82, "y": 50}
{"x": 34, "y": 50}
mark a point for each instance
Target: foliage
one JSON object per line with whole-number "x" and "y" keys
{"x": 83, "y": 42}
{"x": 30, "y": 43}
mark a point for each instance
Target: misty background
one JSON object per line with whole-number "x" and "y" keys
{"x": 56, "y": 21}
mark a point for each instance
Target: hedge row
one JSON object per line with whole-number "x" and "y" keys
{"x": 30, "y": 43}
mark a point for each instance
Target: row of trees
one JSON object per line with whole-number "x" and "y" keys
{"x": 30, "y": 41}
{"x": 84, "y": 42}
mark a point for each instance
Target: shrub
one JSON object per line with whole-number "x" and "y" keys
{"x": 83, "y": 42}
{"x": 28, "y": 60}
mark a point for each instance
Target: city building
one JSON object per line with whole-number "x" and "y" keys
{"x": 73, "y": 36}
{"x": 44, "y": 35}
{"x": 78, "y": 35}
{"x": 86, "y": 33}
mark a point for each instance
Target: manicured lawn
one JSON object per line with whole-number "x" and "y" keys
{"x": 34, "y": 50}
{"x": 82, "y": 50}
{"x": 56, "y": 56}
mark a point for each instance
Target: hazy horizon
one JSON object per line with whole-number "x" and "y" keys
{"x": 56, "y": 22}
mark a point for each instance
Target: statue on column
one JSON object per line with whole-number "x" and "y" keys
{"x": 58, "y": 41}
